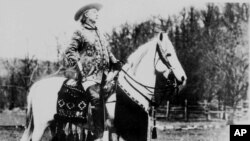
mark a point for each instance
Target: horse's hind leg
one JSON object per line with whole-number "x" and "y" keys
{"x": 54, "y": 130}
{"x": 38, "y": 132}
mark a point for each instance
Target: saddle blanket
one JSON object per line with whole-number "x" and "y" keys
{"x": 72, "y": 103}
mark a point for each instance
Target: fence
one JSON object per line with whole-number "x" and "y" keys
{"x": 199, "y": 112}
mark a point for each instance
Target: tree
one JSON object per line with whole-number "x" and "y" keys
{"x": 128, "y": 38}
{"x": 21, "y": 77}
{"x": 226, "y": 58}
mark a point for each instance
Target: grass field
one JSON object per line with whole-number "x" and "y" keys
{"x": 171, "y": 135}
{"x": 219, "y": 134}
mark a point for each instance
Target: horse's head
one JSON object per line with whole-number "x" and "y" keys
{"x": 166, "y": 61}
{"x": 151, "y": 69}
{"x": 157, "y": 56}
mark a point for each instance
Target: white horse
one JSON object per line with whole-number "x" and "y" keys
{"x": 137, "y": 84}
{"x": 158, "y": 55}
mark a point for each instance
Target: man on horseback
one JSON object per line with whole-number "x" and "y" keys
{"x": 90, "y": 55}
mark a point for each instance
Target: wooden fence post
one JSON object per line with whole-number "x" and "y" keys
{"x": 167, "y": 110}
{"x": 185, "y": 111}
{"x": 207, "y": 110}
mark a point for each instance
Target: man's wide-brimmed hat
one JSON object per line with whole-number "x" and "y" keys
{"x": 82, "y": 10}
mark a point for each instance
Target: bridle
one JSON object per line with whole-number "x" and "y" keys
{"x": 165, "y": 62}
{"x": 158, "y": 51}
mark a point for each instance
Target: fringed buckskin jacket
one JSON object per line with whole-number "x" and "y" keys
{"x": 92, "y": 50}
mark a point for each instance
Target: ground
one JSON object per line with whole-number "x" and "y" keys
{"x": 177, "y": 132}
{"x": 171, "y": 135}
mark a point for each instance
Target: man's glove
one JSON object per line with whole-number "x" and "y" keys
{"x": 109, "y": 86}
{"x": 109, "y": 82}
{"x": 118, "y": 65}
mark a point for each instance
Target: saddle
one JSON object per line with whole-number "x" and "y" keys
{"x": 72, "y": 103}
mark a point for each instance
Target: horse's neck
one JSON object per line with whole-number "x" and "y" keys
{"x": 145, "y": 75}
{"x": 138, "y": 85}
{"x": 145, "y": 71}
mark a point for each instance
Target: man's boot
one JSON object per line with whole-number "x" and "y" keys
{"x": 97, "y": 111}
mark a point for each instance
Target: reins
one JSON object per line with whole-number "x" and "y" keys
{"x": 145, "y": 86}
{"x": 162, "y": 59}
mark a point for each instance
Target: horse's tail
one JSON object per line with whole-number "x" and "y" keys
{"x": 29, "y": 119}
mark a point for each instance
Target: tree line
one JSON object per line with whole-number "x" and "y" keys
{"x": 211, "y": 44}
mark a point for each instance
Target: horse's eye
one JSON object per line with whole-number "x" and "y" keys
{"x": 161, "y": 36}
{"x": 168, "y": 55}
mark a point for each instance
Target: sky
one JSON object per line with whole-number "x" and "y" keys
{"x": 34, "y": 27}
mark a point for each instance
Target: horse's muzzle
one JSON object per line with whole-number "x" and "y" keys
{"x": 182, "y": 81}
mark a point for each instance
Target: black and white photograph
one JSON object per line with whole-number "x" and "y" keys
{"x": 124, "y": 70}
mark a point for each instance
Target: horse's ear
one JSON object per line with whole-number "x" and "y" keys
{"x": 161, "y": 36}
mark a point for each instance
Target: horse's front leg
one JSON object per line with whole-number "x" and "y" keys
{"x": 110, "y": 134}
{"x": 113, "y": 136}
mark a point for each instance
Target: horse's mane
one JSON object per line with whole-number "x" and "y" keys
{"x": 135, "y": 58}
